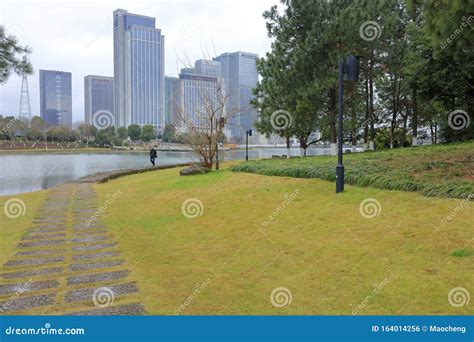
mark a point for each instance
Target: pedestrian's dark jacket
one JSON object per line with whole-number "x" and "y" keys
{"x": 153, "y": 153}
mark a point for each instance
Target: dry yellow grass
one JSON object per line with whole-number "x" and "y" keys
{"x": 318, "y": 246}
{"x": 13, "y": 223}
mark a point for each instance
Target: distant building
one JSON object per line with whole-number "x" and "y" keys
{"x": 56, "y": 97}
{"x": 170, "y": 97}
{"x": 99, "y": 94}
{"x": 138, "y": 70}
{"x": 208, "y": 68}
{"x": 189, "y": 71}
{"x": 239, "y": 70}
{"x": 192, "y": 94}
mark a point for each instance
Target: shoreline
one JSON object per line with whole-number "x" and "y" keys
{"x": 183, "y": 149}
{"x": 103, "y": 177}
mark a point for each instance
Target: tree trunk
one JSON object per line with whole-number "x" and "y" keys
{"x": 393, "y": 122}
{"x": 414, "y": 121}
{"x": 432, "y": 133}
{"x": 392, "y": 127}
{"x": 288, "y": 147}
{"x": 404, "y": 133}
{"x": 303, "y": 145}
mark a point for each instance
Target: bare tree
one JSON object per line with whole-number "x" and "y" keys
{"x": 204, "y": 121}
{"x": 203, "y": 111}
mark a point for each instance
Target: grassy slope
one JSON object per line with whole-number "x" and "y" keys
{"x": 319, "y": 246}
{"x": 11, "y": 229}
{"x": 442, "y": 170}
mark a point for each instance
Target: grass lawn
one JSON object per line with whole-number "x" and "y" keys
{"x": 440, "y": 170}
{"x": 12, "y": 228}
{"x": 258, "y": 233}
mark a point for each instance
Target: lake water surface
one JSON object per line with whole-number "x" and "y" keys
{"x": 35, "y": 171}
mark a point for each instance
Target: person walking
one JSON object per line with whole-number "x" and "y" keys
{"x": 153, "y": 155}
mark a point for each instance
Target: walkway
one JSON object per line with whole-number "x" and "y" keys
{"x": 63, "y": 266}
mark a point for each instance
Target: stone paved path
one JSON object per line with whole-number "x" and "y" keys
{"x": 62, "y": 266}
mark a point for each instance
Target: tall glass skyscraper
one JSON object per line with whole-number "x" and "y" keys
{"x": 138, "y": 70}
{"x": 56, "y": 97}
{"x": 239, "y": 70}
{"x": 99, "y": 104}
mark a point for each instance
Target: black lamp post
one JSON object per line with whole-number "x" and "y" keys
{"x": 351, "y": 68}
{"x": 247, "y": 135}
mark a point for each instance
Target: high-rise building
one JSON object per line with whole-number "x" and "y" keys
{"x": 239, "y": 70}
{"x": 56, "y": 97}
{"x": 138, "y": 70}
{"x": 208, "y": 68}
{"x": 194, "y": 95}
{"x": 99, "y": 104}
{"x": 170, "y": 97}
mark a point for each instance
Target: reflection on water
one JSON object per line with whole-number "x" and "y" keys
{"x": 30, "y": 172}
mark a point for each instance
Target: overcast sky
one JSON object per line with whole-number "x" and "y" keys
{"x": 77, "y": 36}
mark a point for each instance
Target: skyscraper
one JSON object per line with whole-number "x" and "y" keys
{"x": 170, "y": 97}
{"x": 99, "y": 101}
{"x": 194, "y": 95}
{"x": 138, "y": 70}
{"x": 239, "y": 70}
{"x": 207, "y": 68}
{"x": 56, "y": 97}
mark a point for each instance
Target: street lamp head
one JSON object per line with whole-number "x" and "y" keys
{"x": 353, "y": 68}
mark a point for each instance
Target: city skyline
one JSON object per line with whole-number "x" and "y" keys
{"x": 185, "y": 41}
{"x": 233, "y": 75}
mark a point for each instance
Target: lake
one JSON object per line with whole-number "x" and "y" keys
{"x": 35, "y": 171}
